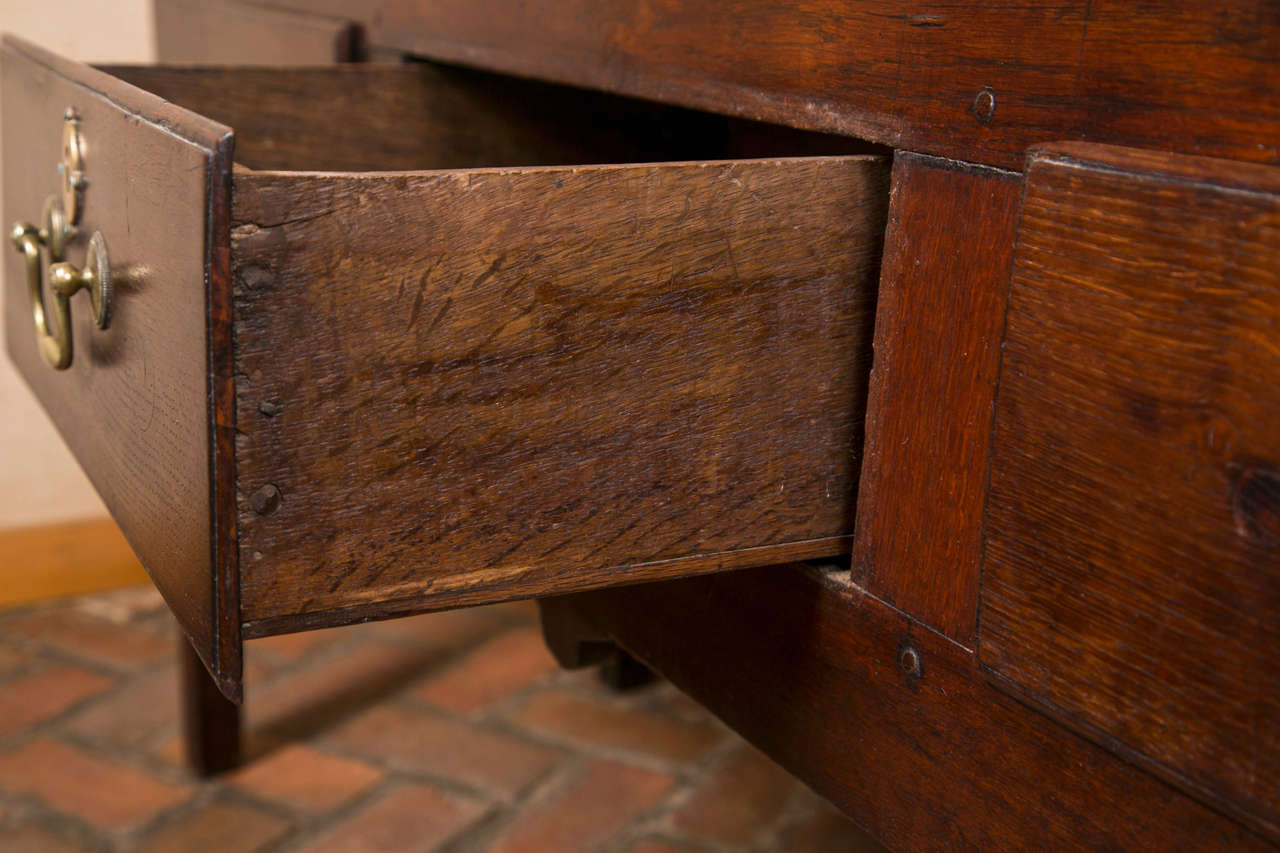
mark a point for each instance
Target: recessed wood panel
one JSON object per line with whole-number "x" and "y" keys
{"x": 469, "y": 386}
{"x": 1132, "y": 573}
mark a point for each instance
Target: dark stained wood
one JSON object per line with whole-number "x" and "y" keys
{"x": 234, "y": 33}
{"x": 210, "y": 721}
{"x": 939, "y": 319}
{"x": 426, "y": 116}
{"x": 460, "y": 387}
{"x": 576, "y": 644}
{"x": 134, "y": 405}
{"x": 726, "y": 249}
{"x": 1190, "y": 77}
{"x": 220, "y": 332}
{"x": 573, "y": 642}
{"x": 807, "y": 668}
{"x": 1132, "y": 570}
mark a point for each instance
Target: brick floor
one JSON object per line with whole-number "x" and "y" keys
{"x": 45, "y": 694}
{"x": 444, "y": 733}
{"x": 306, "y": 779}
{"x": 608, "y": 722}
{"x": 10, "y": 659}
{"x": 593, "y": 808}
{"x": 495, "y": 670}
{"x": 738, "y": 802}
{"x": 104, "y": 791}
{"x": 218, "y": 826}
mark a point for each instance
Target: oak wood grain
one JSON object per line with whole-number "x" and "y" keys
{"x": 808, "y": 669}
{"x": 474, "y": 385}
{"x": 939, "y": 321}
{"x": 1132, "y": 569}
{"x": 971, "y": 80}
{"x": 134, "y": 405}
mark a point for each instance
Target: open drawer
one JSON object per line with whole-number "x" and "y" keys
{"x": 345, "y": 393}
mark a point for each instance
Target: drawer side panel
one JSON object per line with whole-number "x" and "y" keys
{"x": 463, "y": 387}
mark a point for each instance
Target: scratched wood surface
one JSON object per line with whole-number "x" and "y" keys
{"x": 463, "y": 386}
{"x": 973, "y": 80}
{"x": 1132, "y": 570}
{"x": 134, "y": 405}
{"x": 939, "y": 321}
{"x": 807, "y": 668}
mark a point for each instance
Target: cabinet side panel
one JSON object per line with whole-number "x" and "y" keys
{"x": 1132, "y": 573}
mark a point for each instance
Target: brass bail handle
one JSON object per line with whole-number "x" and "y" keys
{"x": 54, "y": 340}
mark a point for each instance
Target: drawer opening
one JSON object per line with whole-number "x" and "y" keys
{"x": 412, "y": 337}
{"x": 426, "y": 116}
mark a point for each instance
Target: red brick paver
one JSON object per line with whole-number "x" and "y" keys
{"x": 738, "y": 802}
{"x": 443, "y": 733}
{"x": 11, "y": 659}
{"x": 306, "y": 779}
{"x": 130, "y": 717}
{"x": 587, "y": 813}
{"x": 42, "y": 695}
{"x": 34, "y": 839}
{"x": 102, "y": 791}
{"x": 335, "y": 687}
{"x": 416, "y": 817}
{"x": 409, "y": 740}
{"x": 218, "y": 826}
{"x": 492, "y": 672}
{"x": 92, "y": 637}
{"x": 607, "y": 724}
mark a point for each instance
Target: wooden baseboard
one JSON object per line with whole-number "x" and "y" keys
{"x": 59, "y": 560}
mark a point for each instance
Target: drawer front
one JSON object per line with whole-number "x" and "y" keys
{"x": 346, "y": 395}
{"x": 1132, "y": 573}
{"x": 134, "y": 404}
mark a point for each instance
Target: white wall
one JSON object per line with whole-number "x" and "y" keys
{"x": 39, "y": 480}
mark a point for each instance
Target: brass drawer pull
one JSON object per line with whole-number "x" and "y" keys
{"x": 60, "y": 216}
{"x": 64, "y": 280}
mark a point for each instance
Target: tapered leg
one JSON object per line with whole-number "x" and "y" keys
{"x": 210, "y": 721}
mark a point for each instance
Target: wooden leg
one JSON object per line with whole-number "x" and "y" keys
{"x": 210, "y": 721}
{"x": 623, "y": 672}
{"x": 575, "y": 644}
